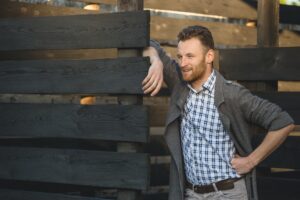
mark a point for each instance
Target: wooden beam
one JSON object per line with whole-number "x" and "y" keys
{"x": 73, "y": 76}
{"x": 228, "y": 8}
{"x": 125, "y": 6}
{"x": 76, "y": 54}
{"x": 260, "y": 64}
{"x": 76, "y": 167}
{"x": 267, "y": 23}
{"x": 92, "y": 122}
{"x": 286, "y": 156}
{"x": 9, "y": 9}
{"x": 8, "y": 194}
{"x": 274, "y": 188}
{"x": 123, "y": 30}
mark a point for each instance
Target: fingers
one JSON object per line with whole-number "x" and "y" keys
{"x": 151, "y": 86}
{"x": 154, "y": 80}
{"x": 157, "y": 88}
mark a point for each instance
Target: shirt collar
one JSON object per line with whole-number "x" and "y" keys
{"x": 208, "y": 85}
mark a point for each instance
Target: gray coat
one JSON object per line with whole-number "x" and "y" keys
{"x": 238, "y": 109}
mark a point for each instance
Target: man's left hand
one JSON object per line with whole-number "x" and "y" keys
{"x": 242, "y": 165}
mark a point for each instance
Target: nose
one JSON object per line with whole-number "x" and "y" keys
{"x": 183, "y": 62}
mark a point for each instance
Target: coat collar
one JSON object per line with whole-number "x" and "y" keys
{"x": 219, "y": 94}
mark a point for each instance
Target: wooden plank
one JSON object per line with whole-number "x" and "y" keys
{"x": 228, "y": 8}
{"x": 225, "y": 35}
{"x": 123, "y": 30}
{"x": 26, "y": 195}
{"x": 101, "y": 122}
{"x": 270, "y": 188}
{"x": 76, "y": 167}
{"x": 269, "y": 64}
{"x": 289, "y": 86}
{"x": 18, "y": 9}
{"x": 59, "y": 54}
{"x": 286, "y": 156}
{"x": 73, "y": 76}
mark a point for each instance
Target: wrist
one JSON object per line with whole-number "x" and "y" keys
{"x": 253, "y": 161}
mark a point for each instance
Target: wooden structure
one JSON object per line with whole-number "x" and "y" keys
{"x": 237, "y": 30}
{"x": 66, "y": 150}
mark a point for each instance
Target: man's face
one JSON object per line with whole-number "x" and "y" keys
{"x": 192, "y": 58}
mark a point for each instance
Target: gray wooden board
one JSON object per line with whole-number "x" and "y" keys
{"x": 286, "y": 156}
{"x": 273, "y": 188}
{"x": 122, "y": 30}
{"x": 117, "y": 76}
{"x": 76, "y": 167}
{"x": 7, "y": 194}
{"x": 104, "y": 122}
{"x": 261, "y": 64}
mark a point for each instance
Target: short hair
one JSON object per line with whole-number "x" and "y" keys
{"x": 200, "y": 32}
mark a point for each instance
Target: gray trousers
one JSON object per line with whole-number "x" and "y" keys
{"x": 239, "y": 192}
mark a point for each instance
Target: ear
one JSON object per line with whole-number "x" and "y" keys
{"x": 210, "y": 56}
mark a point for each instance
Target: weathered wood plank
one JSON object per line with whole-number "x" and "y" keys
{"x": 269, "y": 64}
{"x": 73, "y": 76}
{"x": 26, "y": 195}
{"x": 286, "y": 156}
{"x": 123, "y": 30}
{"x": 76, "y": 167}
{"x": 102, "y": 122}
{"x": 59, "y": 54}
{"x": 271, "y": 188}
{"x": 14, "y": 9}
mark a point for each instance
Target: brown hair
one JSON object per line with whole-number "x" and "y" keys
{"x": 200, "y": 32}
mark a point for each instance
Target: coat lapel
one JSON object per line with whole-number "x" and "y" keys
{"x": 177, "y": 103}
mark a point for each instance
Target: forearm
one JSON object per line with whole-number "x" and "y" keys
{"x": 271, "y": 142}
{"x": 151, "y": 53}
{"x": 273, "y": 139}
{"x": 169, "y": 65}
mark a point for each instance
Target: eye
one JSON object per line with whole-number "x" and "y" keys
{"x": 190, "y": 56}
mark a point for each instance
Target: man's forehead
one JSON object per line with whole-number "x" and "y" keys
{"x": 189, "y": 46}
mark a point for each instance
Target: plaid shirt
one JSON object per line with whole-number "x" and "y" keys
{"x": 207, "y": 147}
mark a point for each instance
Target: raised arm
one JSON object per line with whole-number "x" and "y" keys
{"x": 162, "y": 69}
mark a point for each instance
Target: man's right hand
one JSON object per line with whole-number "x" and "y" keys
{"x": 154, "y": 79}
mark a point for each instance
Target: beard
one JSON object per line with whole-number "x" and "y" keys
{"x": 193, "y": 74}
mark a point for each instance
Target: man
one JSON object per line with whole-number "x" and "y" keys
{"x": 208, "y": 125}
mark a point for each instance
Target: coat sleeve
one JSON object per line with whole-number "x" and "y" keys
{"x": 262, "y": 112}
{"x": 171, "y": 68}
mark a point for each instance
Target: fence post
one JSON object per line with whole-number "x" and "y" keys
{"x": 129, "y": 5}
{"x": 267, "y": 36}
{"x": 267, "y": 31}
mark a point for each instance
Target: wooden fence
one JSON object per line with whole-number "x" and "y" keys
{"x": 162, "y": 28}
{"x": 68, "y": 150}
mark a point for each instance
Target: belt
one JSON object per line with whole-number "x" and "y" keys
{"x": 214, "y": 187}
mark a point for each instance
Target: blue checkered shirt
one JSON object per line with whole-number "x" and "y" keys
{"x": 207, "y": 147}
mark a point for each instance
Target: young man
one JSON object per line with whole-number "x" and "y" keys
{"x": 208, "y": 125}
